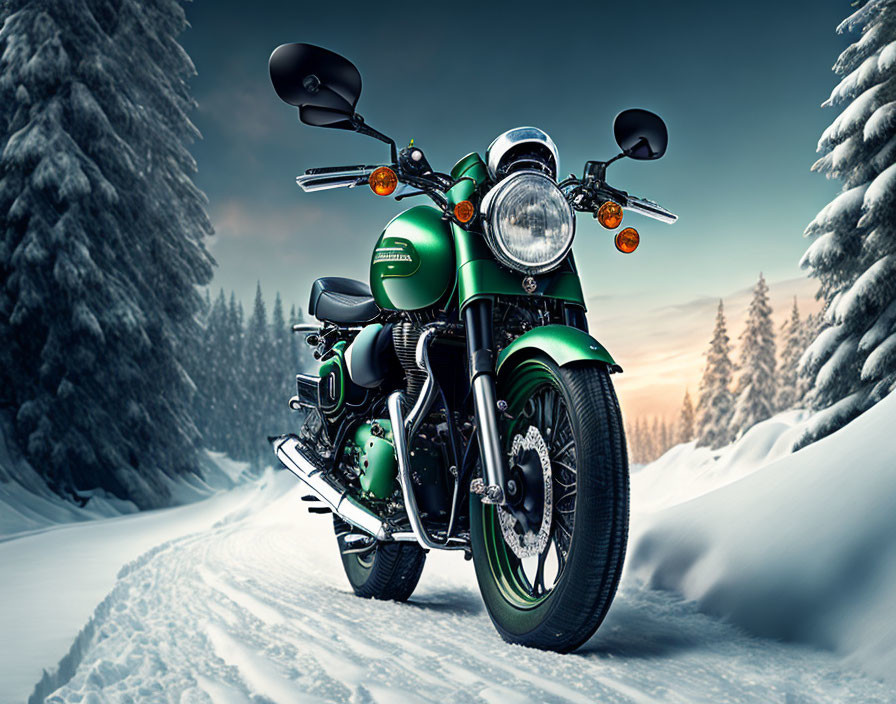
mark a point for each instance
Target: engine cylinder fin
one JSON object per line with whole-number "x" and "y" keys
{"x": 405, "y": 337}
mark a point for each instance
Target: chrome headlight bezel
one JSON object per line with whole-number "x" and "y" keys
{"x": 490, "y": 211}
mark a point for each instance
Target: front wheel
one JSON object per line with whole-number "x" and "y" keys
{"x": 549, "y": 563}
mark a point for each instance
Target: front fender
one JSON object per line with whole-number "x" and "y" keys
{"x": 563, "y": 344}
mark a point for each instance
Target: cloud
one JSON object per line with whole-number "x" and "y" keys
{"x": 237, "y": 220}
{"x": 246, "y": 108}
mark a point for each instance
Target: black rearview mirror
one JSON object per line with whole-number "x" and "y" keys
{"x": 640, "y": 134}
{"x": 323, "y": 85}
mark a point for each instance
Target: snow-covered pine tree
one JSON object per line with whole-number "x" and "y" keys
{"x": 257, "y": 374}
{"x": 233, "y": 386}
{"x": 853, "y": 252}
{"x": 631, "y": 440}
{"x": 787, "y": 394}
{"x": 813, "y": 325}
{"x": 102, "y": 242}
{"x": 643, "y": 441}
{"x": 656, "y": 438}
{"x": 716, "y": 401}
{"x": 282, "y": 370}
{"x": 686, "y": 419}
{"x": 215, "y": 419}
{"x": 754, "y": 397}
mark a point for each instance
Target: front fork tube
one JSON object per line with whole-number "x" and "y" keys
{"x": 480, "y": 350}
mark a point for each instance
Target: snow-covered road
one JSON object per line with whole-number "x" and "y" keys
{"x": 256, "y": 608}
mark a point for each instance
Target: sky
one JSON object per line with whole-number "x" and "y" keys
{"x": 740, "y": 86}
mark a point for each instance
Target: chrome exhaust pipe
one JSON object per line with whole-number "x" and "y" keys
{"x": 286, "y": 447}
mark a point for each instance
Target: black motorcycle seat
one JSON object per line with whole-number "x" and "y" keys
{"x": 340, "y": 300}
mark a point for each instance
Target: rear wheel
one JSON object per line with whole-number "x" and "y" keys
{"x": 379, "y": 570}
{"x": 549, "y": 564}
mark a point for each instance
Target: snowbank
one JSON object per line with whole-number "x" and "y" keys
{"x": 686, "y": 471}
{"x": 802, "y": 548}
{"x": 27, "y": 505}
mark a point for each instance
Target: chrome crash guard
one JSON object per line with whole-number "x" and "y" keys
{"x": 288, "y": 449}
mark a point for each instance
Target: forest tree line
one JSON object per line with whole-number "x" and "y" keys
{"x": 244, "y": 373}
{"x": 734, "y": 395}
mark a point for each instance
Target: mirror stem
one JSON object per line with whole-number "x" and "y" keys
{"x": 362, "y": 127}
{"x": 596, "y": 171}
{"x": 620, "y": 155}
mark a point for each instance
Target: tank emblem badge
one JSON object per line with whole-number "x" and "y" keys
{"x": 396, "y": 256}
{"x": 529, "y": 284}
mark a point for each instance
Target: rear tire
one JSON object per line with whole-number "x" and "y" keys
{"x": 388, "y": 571}
{"x": 590, "y": 544}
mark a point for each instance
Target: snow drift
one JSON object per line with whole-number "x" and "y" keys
{"x": 27, "y": 504}
{"x": 803, "y": 548}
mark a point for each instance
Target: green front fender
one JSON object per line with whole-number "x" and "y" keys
{"x": 561, "y": 343}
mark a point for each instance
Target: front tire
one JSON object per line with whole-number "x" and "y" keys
{"x": 576, "y": 413}
{"x": 386, "y": 570}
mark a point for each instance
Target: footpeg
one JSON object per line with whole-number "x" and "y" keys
{"x": 491, "y": 494}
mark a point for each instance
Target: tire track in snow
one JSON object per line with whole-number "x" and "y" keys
{"x": 257, "y": 609}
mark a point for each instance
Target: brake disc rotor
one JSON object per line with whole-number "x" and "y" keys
{"x": 522, "y": 542}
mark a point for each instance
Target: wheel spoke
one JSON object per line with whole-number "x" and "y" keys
{"x": 568, "y": 468}
{"x": 566, "y": 448}
{"x": 561, "y": 526}
{"x": 561, "y": 426}
{"x": 561, "y": 556}
{"x": 567, "y": 495}
{"x": 555, "y": 414}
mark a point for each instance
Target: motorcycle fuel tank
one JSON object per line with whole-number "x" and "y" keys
{"x": 413, "y": 261}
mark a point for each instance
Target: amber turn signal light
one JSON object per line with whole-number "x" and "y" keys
{"x": 464, "y": 211}
{"x": 383, "y": 181}
{"x": 627, "y": 240}
{"x": 609, "y": 215}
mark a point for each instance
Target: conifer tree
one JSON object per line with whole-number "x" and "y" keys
{"x": 686, "y": 419}
{"x": 234, "y": 384}
{"x": 853, "y": 253}
{"x": 215, "y": 395}
{"x": 102, "y": 243}
{"x": 792, "y": 334}
{"x": 656, "y": 439}
{"x": 716, "y": 401}
{"x": 282, "y": 370}
{"x": 755, "y": 393}
{"x": 257, "y": 375}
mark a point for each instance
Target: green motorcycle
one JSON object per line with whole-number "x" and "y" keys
{"x": 460, "y": 402}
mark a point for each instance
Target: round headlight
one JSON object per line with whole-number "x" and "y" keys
{"x": 528, "y": 223}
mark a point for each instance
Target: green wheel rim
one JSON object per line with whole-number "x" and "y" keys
{"x": 523, "y": 383}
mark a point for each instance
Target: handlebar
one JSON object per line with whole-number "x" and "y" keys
{"x": 649, "y": 208}
{"x": 324, "y": 178}
{"x": 417, "y": 178}
{"x": 589, "y": 195}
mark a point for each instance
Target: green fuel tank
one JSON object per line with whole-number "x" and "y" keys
{"x": 413, "y": 261}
